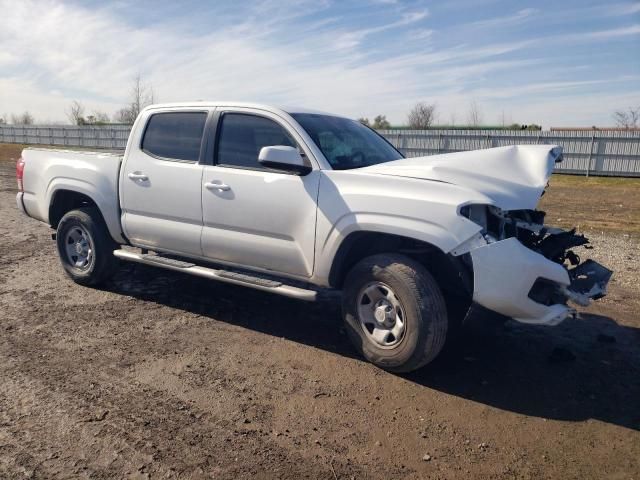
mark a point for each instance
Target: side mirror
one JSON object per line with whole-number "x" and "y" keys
{"x": 284, "y": 158}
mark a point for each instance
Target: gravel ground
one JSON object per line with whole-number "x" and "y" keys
{"x": 162, "y": 375}
{"x": 621, "y": 253}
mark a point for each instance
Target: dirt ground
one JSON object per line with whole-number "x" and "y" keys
{"x": 594, "y": 204}
{"x": 163, "y": 375}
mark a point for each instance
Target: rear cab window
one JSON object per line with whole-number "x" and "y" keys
{"x": 174, "y": 135}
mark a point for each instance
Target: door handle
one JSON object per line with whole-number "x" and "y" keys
{"x": 217, "y": 186}
{"x": 138, "y": 176}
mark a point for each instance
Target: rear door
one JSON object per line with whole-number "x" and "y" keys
{"x": 255, "y": 216}
{"x": 161, "y": 182}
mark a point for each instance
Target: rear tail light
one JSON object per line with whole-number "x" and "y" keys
{"x": 20, "y": 173}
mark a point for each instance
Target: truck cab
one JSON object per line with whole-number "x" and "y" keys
{"x": 193, "y": 184}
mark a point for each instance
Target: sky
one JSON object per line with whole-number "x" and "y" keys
{"x": 553, "y": 63}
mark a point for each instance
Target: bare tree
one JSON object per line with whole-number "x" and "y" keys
{"x": 475, "y": 114}
{"x": 422, "y": 115}
{"x": 629, "y": 118}
{"x": 364, "y": 121}
{"x": 24, "y": 118}
{"x": 380, "y": 123}
{"x": 122, "y": 115}
{"x": 98, "y": 117}
{"x": 75, "y": 113}
{"x": 141, "y": 96}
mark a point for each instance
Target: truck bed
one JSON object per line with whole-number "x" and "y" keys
{"x": 52, "y": 172}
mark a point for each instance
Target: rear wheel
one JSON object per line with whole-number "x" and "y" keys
{"x": 85, "y": 246}
{"x": 394, "y": 312}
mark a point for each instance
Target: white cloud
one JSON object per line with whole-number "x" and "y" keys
{"x": 421, "y": 34}
{"x": 615, "y": 32}
{"x": 610, "y": 9}
{"x": 48, "y": 106}
{"x": 571, "y": 110}
{"x": 96, "y": 55}
{"x": 351, "y": 39}
{"x": 282, "y": 53}
{"x": 513, "y": 19}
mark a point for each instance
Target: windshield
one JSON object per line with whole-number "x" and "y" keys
{"x": 346, "y": 143}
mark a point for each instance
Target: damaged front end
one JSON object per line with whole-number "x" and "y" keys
{"x": 526, "y": 270}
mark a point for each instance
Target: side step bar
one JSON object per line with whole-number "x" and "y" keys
{"x": 236, "y": 278}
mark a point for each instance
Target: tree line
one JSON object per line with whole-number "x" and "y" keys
{"x": 141, "y": 95}
{"x": 629, "y": 118}
{"x": 422, "y": 116}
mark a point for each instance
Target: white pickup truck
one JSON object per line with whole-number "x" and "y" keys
{"x": 292, "y": 201}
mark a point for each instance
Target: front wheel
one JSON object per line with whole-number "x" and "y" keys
{"x": 85, "y": 246}
{"x": 394, "y": 312}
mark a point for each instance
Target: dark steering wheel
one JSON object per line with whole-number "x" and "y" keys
{"x": 357, "y": 158}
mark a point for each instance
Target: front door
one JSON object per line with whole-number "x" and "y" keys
{"x": 161, "y": 184}
{"x": 254, "y": 216}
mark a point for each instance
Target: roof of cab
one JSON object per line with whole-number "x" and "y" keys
{"x": 260, "y": 106}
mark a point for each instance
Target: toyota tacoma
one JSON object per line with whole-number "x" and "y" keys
{"x": 293, "y": 201}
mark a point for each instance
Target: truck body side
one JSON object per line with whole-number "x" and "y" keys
{"x": 469, "y": 216}
{"x": 57, "y": 180}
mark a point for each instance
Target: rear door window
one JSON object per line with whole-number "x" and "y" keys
{"x": 175, "y": 135}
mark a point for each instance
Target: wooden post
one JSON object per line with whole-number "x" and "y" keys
{"x": 593, "y": 137}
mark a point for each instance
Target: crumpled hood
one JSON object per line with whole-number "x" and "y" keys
{"x": 513, "y": 177}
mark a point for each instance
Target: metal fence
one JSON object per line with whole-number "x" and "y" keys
{"x": 595, "y": 152}
{"x": 614, "y": 153}
{"x": 108, "y": 136}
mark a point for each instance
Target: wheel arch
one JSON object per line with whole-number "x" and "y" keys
{"x": 457, "y": 272}
{"x": 63, "y": 198}
{"x": 63, "y": 201}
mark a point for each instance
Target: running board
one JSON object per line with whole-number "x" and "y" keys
{"x": 227, "y": 276}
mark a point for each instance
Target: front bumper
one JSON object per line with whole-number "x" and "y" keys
{"x": 505, "y": 272}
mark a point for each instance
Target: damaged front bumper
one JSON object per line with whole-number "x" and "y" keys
{"x": 589, "y": 281}
{"x": 517, "y": 282}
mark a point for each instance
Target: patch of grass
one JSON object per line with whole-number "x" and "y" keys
{"x": 593, "y": 204}
{"x": 558, "y": 179}
{"x": 10, "y": 152}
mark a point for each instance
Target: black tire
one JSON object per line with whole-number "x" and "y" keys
{"x": 425, "y": 313}
{"x": 102, "y": 264}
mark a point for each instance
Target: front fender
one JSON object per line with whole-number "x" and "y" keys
{"x": 419, "y": 229}
{"x": 351, "y": 201}
{"x": 407, "y": 227}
